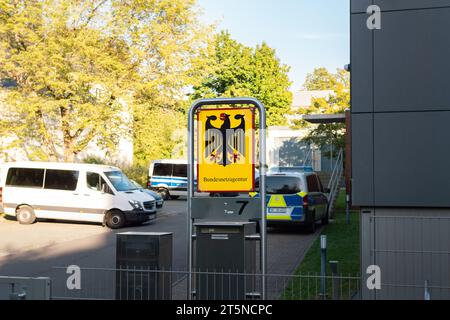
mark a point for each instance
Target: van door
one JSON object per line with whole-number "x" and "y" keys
{"x": 319, "y": 198}
{"x": 161, "y": 176}
{"x": 179, "y": 177}
{"x": 60, "y": 197}
{"x": 22, "y": 186}
{"x": 96, "y": 196}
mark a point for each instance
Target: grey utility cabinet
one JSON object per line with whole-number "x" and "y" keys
{"x": 144, "y": 265}
{"x": 225, "y": 251}
{"x": 400, "y": 110}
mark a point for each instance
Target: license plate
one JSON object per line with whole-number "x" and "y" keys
{"x": 278, "y": 210}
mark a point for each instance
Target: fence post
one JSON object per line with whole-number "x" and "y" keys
{"x": 347, "y": 208}
{"x": 427, "y": 295}
{"x": 336, "y": 281}
{"x": 323, "y": 267}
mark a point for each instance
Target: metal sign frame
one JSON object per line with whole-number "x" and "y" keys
{"x": 262, "y": 178}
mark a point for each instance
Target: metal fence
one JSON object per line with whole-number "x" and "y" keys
{"x": 25, "y": 288}
{"x": 412, "y": 249}
{"x": 140, "y": 284}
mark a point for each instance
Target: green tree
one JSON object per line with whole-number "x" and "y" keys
{"x": 172, "y": 46}
{"x": 238, "y": 70}
{"x": 319, "y": 79}
{"x": 70, "y": 77}
{"x": 337, "y": 102}
{"x": 86, "y": 69}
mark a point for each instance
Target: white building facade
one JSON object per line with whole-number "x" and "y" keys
{"x": 284, "y": 144}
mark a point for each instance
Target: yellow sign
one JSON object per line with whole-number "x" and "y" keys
{"x": 226, "y": 150}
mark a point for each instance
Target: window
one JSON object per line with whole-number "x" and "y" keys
{"x": 283, "y": 185}
{"x": 180, "y": 170}
{"x": 313, "y": 185}
{"x": 61, "y": 179}
{"x": 162, "y": 169}
{"x": 96, "y": 182}
{"x": 120, "y": 181}
{"x": 25, "y": 177}
{"x": 93, "y": 181}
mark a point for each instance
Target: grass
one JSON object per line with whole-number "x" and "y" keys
{"x": 342, "y": 246}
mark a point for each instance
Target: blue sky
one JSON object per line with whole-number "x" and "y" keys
{"x": 305, "y": 33}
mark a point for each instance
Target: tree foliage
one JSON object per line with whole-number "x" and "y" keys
{"x": 85, "y": 69}
{"x": 94, "y": 72}
{"x": 174, "y": 49}
{"x": 337, "y": 102}
{"x": 238, "y": 70}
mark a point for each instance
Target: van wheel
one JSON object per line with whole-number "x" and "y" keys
{"x": 25, "y": 215}
{"x": 115, "y": 219}
{"x": 164, "y": 193}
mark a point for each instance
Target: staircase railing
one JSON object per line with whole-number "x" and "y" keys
{"x": 308, "y": 157}
{"x": 335, "y": 181}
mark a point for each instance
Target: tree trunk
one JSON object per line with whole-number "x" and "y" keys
{"x": 69, "y": 156}
{"x": 68, "y": 139}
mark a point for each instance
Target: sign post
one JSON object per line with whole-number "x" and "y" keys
{"x": 226, "y": 148}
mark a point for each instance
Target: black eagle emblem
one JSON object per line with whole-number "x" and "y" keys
{"x": 225, "y": 145}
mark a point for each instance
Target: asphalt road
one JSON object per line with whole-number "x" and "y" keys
{"x": 35, "y": 250}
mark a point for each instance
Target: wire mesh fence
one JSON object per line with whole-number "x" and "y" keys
{"x": 140, "y": 284}
{"x": 412, "y": 250}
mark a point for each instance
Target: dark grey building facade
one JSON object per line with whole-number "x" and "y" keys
{"x": 400, "y": 78}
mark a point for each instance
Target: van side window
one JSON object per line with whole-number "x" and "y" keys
{"x": 96, "y": 182}
{"x": 180, "y": 170}
{"x": 25, "y": 177}
{"x": 93, "y": 181}
{"x": 162, "y": 169}
{"x": 313, "y": 185}
{"x": 61, "y": 179}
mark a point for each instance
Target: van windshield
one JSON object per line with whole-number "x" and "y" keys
{"x": 120, "y": 181}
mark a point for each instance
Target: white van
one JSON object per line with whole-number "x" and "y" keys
{"x": 72, "y": 191}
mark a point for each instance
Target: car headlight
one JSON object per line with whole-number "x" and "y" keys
{"x": 135, "y": 204}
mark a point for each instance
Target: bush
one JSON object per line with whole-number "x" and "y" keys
{"x": 137, "y": 173}
{"x": 94, "y": 160}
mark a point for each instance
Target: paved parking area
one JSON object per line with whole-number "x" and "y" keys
{"x": 16, "y": 238}
{"x": 33, "y": 250}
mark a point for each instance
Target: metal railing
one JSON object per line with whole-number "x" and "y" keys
{"x": 139, "y": 284}
{"x": 335, "y": 181}
{"x": 24, "y": 288}
{"x": 308, "y": 157}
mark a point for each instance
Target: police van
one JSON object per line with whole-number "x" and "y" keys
{"x": 72, "y": 191}
{"x": 168, "y": 177}
{"x": 295, "y": 198}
